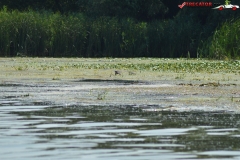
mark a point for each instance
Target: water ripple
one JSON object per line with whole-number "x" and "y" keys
{"x": 81, "y": 132}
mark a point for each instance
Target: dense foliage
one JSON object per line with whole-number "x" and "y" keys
{"x": 116, "y": 28}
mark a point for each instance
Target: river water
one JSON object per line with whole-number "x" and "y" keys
{"x": 115, "y": 132}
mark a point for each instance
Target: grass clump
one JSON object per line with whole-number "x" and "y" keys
{"x": 21, "y": 68}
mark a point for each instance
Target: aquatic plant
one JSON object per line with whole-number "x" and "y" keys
{"x": 152, "y": 64}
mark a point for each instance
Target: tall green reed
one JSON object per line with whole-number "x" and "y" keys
{"x": 48, "y": 34}
{"x": 134, "y": 38}
{"x": 67, "y": 35}
{"x": 21, "y": 32}
{"x": 41, "y": 34}
{"x": 225, "y": 41}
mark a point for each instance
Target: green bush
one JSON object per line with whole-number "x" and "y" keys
{"x": 225, "y": 41}
{"x": 224, "y": 44}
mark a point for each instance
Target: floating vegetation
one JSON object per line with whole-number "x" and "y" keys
{"x": 161, "y": 65}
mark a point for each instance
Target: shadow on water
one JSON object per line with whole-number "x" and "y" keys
{"x": 118, "y": 132}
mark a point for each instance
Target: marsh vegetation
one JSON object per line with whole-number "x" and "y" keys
{"x": 51, "y": 34}
{"x": 194, "y": 80}
{"x": 131, "y": 64}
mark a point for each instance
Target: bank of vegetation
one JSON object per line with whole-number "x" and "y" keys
{"x": 80, "y": 32}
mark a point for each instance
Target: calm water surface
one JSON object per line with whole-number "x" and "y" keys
{"x": 115, "y": 132}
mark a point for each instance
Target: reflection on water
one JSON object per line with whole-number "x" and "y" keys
{"x": 99, "y": 132}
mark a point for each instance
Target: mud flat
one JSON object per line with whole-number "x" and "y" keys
{"x": 146, "y": 83}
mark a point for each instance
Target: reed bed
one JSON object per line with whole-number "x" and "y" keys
{"x": 47, "y": 34}
{"x": 225, "y": 42}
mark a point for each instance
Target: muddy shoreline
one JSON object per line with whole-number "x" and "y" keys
{"x": 25, "y": 81}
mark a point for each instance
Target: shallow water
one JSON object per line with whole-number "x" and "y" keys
{"x": 149, "y": 95}
{"x": 115, "y": 132}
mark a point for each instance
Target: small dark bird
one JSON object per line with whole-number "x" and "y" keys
{"x": 118, "y": 73}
